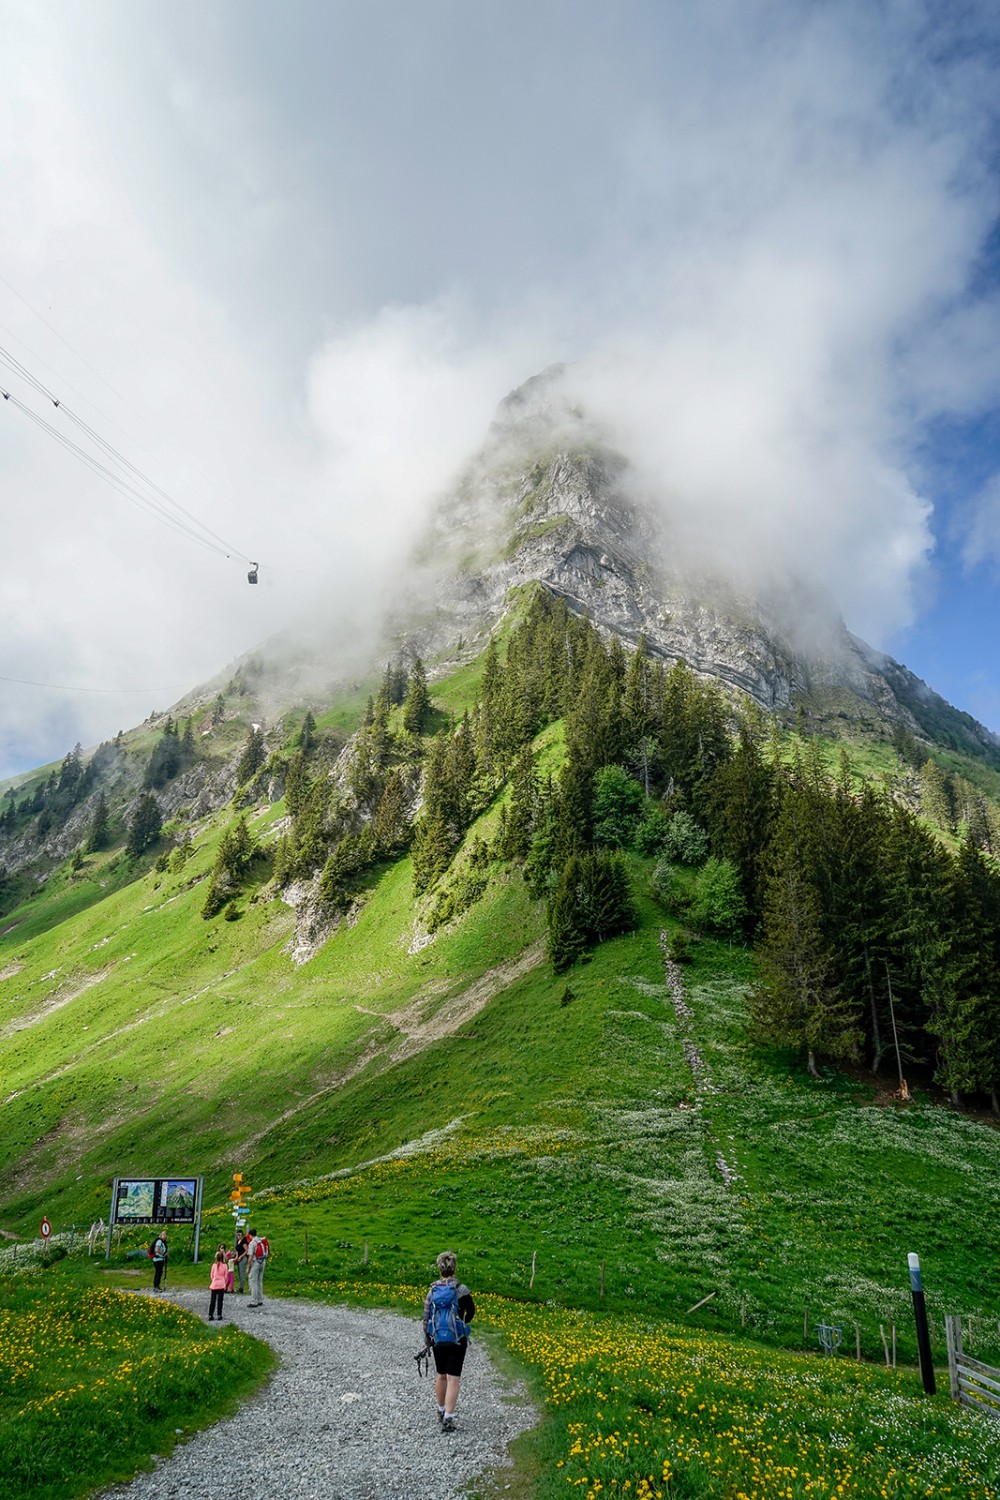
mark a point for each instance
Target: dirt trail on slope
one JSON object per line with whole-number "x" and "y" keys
{"x": 416, "y": 1030}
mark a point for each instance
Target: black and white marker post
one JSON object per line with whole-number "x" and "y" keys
{"x": 920, "y": 1317}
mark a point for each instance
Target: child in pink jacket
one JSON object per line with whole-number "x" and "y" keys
{"x": 220, "y": 1274}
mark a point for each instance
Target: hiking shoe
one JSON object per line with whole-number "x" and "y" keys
{"x": 447, "y": 1424}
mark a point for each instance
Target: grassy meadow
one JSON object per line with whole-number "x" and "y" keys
{"x": 93, "y": 1381}
{"x": 604, "y": 1150}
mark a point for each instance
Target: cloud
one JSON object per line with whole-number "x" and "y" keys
{"x": 314, "y": 259}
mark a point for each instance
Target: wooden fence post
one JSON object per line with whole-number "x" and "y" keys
{"x": 953, "y": 1334}
{"x": 857, "y": 1343}
{"x": 532, "y": 1281}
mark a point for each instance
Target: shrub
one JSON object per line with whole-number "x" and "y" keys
{"x": 650, "y": 835}
{"x": 718, "y": 904}
{"x": 686, "y": 841}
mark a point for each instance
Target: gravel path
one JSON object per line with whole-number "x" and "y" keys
{"x": 306, "y": 1437}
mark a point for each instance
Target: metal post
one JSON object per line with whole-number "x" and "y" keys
{"x": 111, "y": 1217}
{"x": 197, "y": 1217}
{"x": 920, "y": 1317}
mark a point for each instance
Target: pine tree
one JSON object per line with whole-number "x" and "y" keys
{"x": 252, "y": 758}
{"x": 616, "y": 808}
{"x": 144, "y": 825}
{"x": 565, "y": 940}
{"x": 391, "y": 825}
{"x": 416, "y": 707}
{"x": 936, "y": 796}
{"x": 638, "y": 712}
{"x": 968, "y": 1017}
{"x": 514, "y": 840}
{"x": 307, "y": 734}
{"x": 741, "y": 806}
{"x": 100, "y": 825}
{"x": 433, "y": 846}
{"x": 297, "y": 783}
{"x": 795, "y": 1003}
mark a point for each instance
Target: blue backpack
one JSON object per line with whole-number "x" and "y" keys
{"x": 444, "y": 1324}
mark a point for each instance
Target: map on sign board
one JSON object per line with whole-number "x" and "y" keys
{"x": 135, "y": 1200}
{"x": 156, "y": 1200}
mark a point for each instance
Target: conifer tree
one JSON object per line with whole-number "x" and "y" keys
{"x": 936, "y": 796}
{"x": 297, "y": 783}
{"x": 616, "y": 807}
{"x": 433, "y": 846}
{"x": 144, "y": 825}
{"x": 416, "y": 706}
{"x": 741, "y": 805}
{"x": 307, "y": 734}
{"x": 639, "y": 714}
{"x": 252, "y": 758}
{"x": 565, "y": 940}
{"x": 391, "y": 825}
{"x": 968, "y": 1017}
{"x": 514, "y": 840}
{"x": 100, "y": 826}
{"x": 795, "y": 1002}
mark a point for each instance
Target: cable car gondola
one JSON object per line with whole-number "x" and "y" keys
{"x": 252, "y": 575}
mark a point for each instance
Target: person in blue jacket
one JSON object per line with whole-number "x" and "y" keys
{"x": 448, "y": 1311}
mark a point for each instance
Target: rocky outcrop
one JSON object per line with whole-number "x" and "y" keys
{"x": 546, "y": 502}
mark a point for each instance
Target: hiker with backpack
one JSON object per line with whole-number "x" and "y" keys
{"x": 448, "y": 1311}
{"x": 158, "y": 1253}
{"x": 258, "y": 1251}
{"x": 242, "y": 1242}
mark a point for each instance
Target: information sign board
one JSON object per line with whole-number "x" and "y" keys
{"x": 155, "y": 1200}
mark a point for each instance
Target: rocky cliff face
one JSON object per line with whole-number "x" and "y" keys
{"x": 545, "y": 501}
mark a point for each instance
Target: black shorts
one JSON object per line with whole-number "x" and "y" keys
{"x": 449, "y": 1358}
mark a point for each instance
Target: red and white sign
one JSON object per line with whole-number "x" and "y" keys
{"x": 45, "y": 1229}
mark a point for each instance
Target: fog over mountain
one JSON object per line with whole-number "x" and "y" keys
{"x": 311, "y": 257}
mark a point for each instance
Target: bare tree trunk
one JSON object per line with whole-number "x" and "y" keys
{"x": 811, "y": 1064}
{"x": 995, "y": 1101}
{"x": 877, "y": 1047}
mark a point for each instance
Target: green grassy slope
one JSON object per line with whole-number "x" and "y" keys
{"x": 605, "y": 1141}
{"x": 559, "y": 1118}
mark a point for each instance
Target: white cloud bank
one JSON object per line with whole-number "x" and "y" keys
{"x": 765, "y": 261}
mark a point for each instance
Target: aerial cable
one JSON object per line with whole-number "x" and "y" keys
{"x": 16, "y": 365}
{"x": 113, "y": 453}
{"x": 44, "y": 390}
{"x": 63, "y": 687}
{"x": 114, "y": 389}
{"x": 131, "y": 492}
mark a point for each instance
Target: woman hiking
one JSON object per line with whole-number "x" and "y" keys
{"x": 448, "y": 1311}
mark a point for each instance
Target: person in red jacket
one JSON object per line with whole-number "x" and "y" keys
{"x": 217, "y": 1285}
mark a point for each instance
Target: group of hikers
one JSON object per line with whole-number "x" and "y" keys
{"x": 247, "y": 1260}
{"x": 448, "y": 1307}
